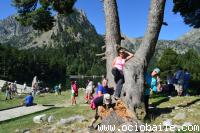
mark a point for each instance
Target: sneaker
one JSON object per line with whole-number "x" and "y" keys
{"x": 116, "y": 98}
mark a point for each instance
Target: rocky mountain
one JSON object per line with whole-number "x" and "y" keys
{"x": 190, "y": 40}
{"x": 77, "y": 28}
{"x": 73, "y": 28}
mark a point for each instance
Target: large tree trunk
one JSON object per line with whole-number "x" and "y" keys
{"x": 113, "y": 36}
{"x": 133, "y": 89}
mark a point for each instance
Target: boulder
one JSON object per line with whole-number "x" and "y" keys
{"x": 167, "y": 123}
{"x": 180, "y": 116}
{"x": 71, "y": 120}
{"x": 40, "y": 118}
{"x": 26, "y": 130}
{"x": 187, "y": 124}
{"x": 51, "y": 119}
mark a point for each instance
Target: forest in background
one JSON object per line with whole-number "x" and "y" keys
{"x": 51, "y": 65}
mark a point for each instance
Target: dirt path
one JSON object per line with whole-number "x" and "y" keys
{"x": 20, "y": 111}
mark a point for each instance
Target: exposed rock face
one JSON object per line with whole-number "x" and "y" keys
{"x": 67, "y": 29}
{"x": 77, "y": 28}
{"x": 40, "y": 118}
{"x": 190, "y": 40}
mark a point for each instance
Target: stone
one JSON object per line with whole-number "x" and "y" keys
{"x": 167, "y": 123}
{"x": 176, "y": 108}
{"x": 40, "y": 118}
{"x": 178, "y": 127}
{"x": 71, "y": 120}
{"x": 17, "y": 131}
{"x": 180, "y": 116}
{"x": 51, "y": 119}
{"x": 187, "y": 124}
{"x": 26, "y": 130}
{"x": 52, "y": 129}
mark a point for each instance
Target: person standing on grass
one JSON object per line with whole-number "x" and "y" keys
{"x": 170, "y": 83}
{"x": 88, "y": 92}
{"x": 152, "y": 84}
{"x": 8, "y": 90}
{"x": 24, "y": 87}
{"x": 179, "y": 81}
{"x": 117, "y": 70}
{"x": 74, "y": 93}
{"x": 186, "y": 82}
{"x": 34, "y": 88}
{"x": 59, "y": 89}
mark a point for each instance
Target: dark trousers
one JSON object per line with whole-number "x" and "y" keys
{"x": 119, "y": 80}
{"x": 146, "y": 103}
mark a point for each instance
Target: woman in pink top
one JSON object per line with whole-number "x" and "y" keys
{"x": 117, "y": 71}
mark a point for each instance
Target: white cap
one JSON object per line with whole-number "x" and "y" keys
{"x": 106, "y": 99}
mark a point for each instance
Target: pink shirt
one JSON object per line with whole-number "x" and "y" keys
{"x": 119, "y": 64}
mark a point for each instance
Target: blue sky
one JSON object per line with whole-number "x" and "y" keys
{"x": 133, "y": 17}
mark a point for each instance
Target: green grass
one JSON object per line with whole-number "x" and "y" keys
{"x": 187, "y": 105}
{"x": 27, "y": 121}
{"x": 45, "y": 98}
{"x": 162, "y": 102}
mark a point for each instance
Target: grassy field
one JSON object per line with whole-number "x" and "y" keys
{"x": 166, "y": 108}
{"x": 24, "y": 122}
{"x": 27, "y": 121}
{"x": 45, "y": 98}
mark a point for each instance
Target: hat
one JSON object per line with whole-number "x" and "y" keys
{"x": 157, "y": 70}
{"x": 106, "y": 99}
{"x": 121, "y": 51}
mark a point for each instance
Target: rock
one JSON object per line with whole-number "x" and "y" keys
{"x": 176, "y": 107}
{"x": 178, "y": 127}
{"x": 26, "y": 130}
{"x": 187, "y": 124}
{"x": 190, "y": 110}
{"x": 17, "y": 131}
{"x": 71, "y": 120}
{"x": 180, "y": 116}
{"x": 167, "y": 123}
{"x": 51, "y": 119}
{"x": 40, "y": 118}
{"x": 52, "y": 129}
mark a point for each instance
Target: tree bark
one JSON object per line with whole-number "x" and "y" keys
{"x": 133, "y": 89}
{"x": 113, "y": 36}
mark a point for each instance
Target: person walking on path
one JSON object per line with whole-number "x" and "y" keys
{"x": 117, "y": 70}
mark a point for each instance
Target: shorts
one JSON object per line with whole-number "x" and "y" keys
{"x": 73, "y": 94}
{"x": 178, "y": 87}
{"x": 88, "y": 91}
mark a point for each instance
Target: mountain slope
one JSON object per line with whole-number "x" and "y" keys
{"x": 190, "y": 40}
{"x": 73, "y": 28}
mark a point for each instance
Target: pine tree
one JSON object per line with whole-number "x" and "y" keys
{"x": 38, "y": 13}
{"x": 189, "y": 10}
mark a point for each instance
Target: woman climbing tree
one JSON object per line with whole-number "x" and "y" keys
{"x": 117, "y": 71}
